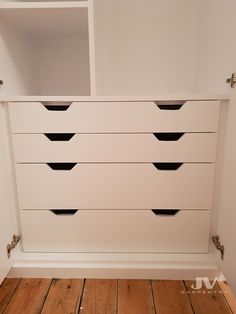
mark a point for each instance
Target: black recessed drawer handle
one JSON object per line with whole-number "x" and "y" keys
{"x": 57, "y": 107}
{"x": 167, "y": 165}
{"x": 59, "y": 136}
{"x": 61, "y": 165}
{"x": 170, "y": 106}
{"x": 64, "y": 212}
{"x": 168, "y": 136}
{"x": 165, "y": 212}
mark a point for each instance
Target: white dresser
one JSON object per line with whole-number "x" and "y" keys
{"x": 112, "y": 163}
{"x": 115, "y": 176}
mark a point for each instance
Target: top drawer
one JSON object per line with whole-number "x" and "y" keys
{"x": 113, "y": 117}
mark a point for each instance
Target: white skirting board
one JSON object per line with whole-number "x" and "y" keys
{"x": 115, "y": 266}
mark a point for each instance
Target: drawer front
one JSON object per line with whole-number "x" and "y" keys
{"x": 114, "y": 117}
{"x": 161, "y": 147}
{"x": 115, "y": 186}
{"x": 115, "y": 231}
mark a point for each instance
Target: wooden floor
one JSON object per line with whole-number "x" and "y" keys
{"x": 62, "y": 296}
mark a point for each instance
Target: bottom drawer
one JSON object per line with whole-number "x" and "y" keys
{"x": 115, "y": 231}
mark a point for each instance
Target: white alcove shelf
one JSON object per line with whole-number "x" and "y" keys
{"x": 8, "y": 4}
{"x": 46, "y": 48}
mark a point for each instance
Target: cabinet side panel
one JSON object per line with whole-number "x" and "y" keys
{"x": 17, "y": 64}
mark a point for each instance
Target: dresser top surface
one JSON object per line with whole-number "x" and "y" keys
{"x": 113, "y": 98}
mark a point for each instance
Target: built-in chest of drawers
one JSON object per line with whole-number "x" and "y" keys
{"x": 102, "y": 176}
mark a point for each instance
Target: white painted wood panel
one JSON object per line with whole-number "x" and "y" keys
{"x": 115, "y": 186}
{"x": 145, "y": 46}
{"x": 190, "y": 147}
{"x": 43, "y": 4}
{"x": 114, "y": 117}
{"x": 216, "y": 62}
{"x": 115, "y": 231}
{"x": 8, "y": 225}
{"x": 153, "y": 97}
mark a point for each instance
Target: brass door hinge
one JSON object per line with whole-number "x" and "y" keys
{"x": 219, "y": 246}
{"x": 13, "y": 244}
{"x": 232, "y": 80}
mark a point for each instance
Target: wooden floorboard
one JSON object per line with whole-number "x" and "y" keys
{"x": 7, "y": 289}
{"x": 72, "y": 296}
{"x": 230, "y": 299}
{"x": 64, "y": 296}
{"x": 135, "y": 297}
{"x": 28, "y": 297}
{"x": 99, "y": 297}
{"x": 207, "y": 301}
{"x": 170, "y": 297}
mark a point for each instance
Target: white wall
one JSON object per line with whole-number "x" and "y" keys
{"x": 17, "y": 66}
{"x": 145, "y": 47}
{"x": 55, "y": 63}
{"x": 63, "y": 65}
{"x": 216, "y": 62}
